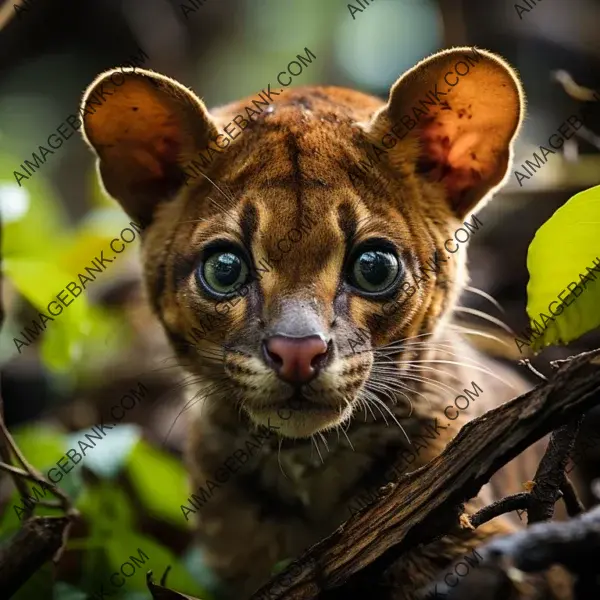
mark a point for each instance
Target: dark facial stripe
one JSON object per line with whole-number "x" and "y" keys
{"x": 296, "y": 180}
{"x": 348, "y": 222}
{"x": 156, "y": 287}
{"x": 179, "y": 343}
{"x": 183, "y": 265}
{"x": 249, "y": 224}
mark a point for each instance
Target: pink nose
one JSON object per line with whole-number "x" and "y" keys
{"x": 296, "y": 360}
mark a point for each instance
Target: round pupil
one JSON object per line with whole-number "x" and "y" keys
{"x": 375, "y": 266}
{"x": 226, "y": 269}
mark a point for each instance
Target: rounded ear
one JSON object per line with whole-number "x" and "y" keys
{"x": 143, "y": 127}
{"x": 458, "y": 112}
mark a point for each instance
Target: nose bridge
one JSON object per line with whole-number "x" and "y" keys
{"x": 297, "y": 318}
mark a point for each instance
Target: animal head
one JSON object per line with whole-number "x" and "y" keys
{"x": 272, "y": 251}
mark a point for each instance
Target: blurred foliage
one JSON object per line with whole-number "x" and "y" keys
{"x": 147, "y": 465}
{"x": 111, "y": 515}
{"x": 562, "y": 251}
{"x": 42, "y": 254}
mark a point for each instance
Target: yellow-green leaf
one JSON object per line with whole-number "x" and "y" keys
{"x": 563, "y": 294}
{"x": 40, "y": 282}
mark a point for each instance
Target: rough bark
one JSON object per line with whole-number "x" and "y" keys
{"x": 34, "y": 545}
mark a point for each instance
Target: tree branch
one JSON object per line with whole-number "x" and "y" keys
{"x": 435, "y": 493}
{"x": 34, "y": 544}
{"x": 551, "y": 472}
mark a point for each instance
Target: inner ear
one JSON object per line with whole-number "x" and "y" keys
{"x": 453, "y": 117}
{"x": 143, "y": 127}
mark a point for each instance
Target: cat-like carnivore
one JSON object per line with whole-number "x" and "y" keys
{"x": 266, "y": 330}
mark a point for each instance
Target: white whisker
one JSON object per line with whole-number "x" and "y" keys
{"x": 346, "y": 435}
{"x": 279, "y": 459}
{"x": 317, "y": 447}
{"x": 486, "y": 317}
{"x": 320, "y": 434}
{"x": 398, "y": 386}
{"x": 485, "y": 295}
{"x": 466, "y": 330}
{"x": 370, "y": 397}
{"x": 381, "y": 403}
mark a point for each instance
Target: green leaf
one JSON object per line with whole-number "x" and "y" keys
{"x": 41, "y": 445}
{"x": 86, "y": 346}
{"x": 110, "y": 517}
{"x": 146, "y": 467}
{"x": 39, "y": 282}
{"x": 61, "y": 347}
{"x": 107, "y": 508}
{"x": 126, "y": 544}
{"x": 75, "y": 336}
{"x": 108, "y": 512}
{"x": 93, "y": 238}
{"x": 563, "y": 252}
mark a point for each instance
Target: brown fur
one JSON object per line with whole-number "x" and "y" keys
{"x": 298, "y": 161}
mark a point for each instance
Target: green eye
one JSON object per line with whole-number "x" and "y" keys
{"x": 375, "y": 270}
{"x": 224, "y": 272}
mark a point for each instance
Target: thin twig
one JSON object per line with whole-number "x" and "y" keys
{"x": 18, "y": 481}
{"x": 570, "y": 498}
{"x": 16, "y": 471}
{"x": 518, "y": 501}
{"x": 163, "y": 579}
{"x": 31, "y": 473}
{"x": 526, "y": 362}
{"x": 576, "y": 91}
